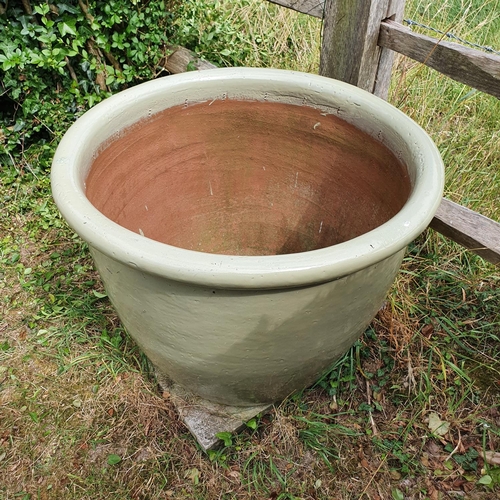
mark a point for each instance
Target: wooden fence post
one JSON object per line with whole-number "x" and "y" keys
{"x": 395, "y": 12}
{"x": 349, "y": 50}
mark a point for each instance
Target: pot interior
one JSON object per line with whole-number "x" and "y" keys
{"x": 243, "y": 177}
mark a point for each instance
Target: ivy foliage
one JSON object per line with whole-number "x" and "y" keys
{"x": 59, "y": 59}
{"x": 214, "y": 32}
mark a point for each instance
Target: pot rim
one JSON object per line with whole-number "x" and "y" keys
{"x": 72, "y": 162}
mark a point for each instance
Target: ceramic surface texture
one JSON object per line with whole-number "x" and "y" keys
{"x": 243, "y": 347}
{"x": 301, "y": 193}
{"x": 247, "y": 178}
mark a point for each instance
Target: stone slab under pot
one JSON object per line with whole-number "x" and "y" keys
{"x": 247, "y": 223}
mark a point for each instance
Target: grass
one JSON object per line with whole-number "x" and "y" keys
{"x": 81, "y": 416}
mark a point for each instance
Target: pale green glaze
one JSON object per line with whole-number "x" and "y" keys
{"x": 241, "y": 347}
{"x": 234, "y": 329}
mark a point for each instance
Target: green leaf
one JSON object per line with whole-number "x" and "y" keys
{"x": 486, "y": 480}
{"x": 193, "y": 474}
{"x": 448, "y": 465}
{"x": 114, "y": 459}
{"x": 99, "y": 295}
{"x": 437, "y": 426}
{"x": 35, "y": 418}
{"x": 225, "y": 52}
{"x": 42, "y": 9}
{"x": 227, "y": 437}
{"x": 397, "y": 494}
{"x": 65, "y": 28}
{"x": 252, "y": 423}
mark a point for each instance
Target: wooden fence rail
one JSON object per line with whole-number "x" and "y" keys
{"x": 470, "y": 66}
{"x": 312, "y": 7}
{"x": 472, "y": 230}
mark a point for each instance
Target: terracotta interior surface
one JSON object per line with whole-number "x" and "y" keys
{"x": 247, "y": 178}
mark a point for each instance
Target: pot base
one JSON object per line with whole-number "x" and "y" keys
{"x": 205, "y": 419}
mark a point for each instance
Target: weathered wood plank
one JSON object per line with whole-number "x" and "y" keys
{"x": 350, "y": 51}
{"x": 469, "y": 66}
{"x": 182, "y": 59}
{"x": 470, "y": 229}
{"x": 375, "y": 65}
{"x": 311, "y": 7}
{"x": 395, "y": 12}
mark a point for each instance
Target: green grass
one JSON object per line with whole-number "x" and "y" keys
{"x": 81, "y": 416}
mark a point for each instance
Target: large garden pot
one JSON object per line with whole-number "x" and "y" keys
{"x": 247, "y": 223}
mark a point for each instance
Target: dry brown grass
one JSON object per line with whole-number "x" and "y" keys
{"x": 67, "y": 406}
{"x": 59, "y": 429}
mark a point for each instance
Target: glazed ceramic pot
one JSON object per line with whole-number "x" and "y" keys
{"x": 247, "y": 223}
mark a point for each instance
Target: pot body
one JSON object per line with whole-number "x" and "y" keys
{"x": 237, "y": 329}
{"x": 243, "y": 347}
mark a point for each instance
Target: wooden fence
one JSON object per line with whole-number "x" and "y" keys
{"x": 360, "y": 39}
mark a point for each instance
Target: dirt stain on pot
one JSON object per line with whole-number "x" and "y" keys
{"x": 247, "y": 178}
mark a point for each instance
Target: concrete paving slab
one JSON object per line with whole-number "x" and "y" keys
{"x": 205, "y": 419}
